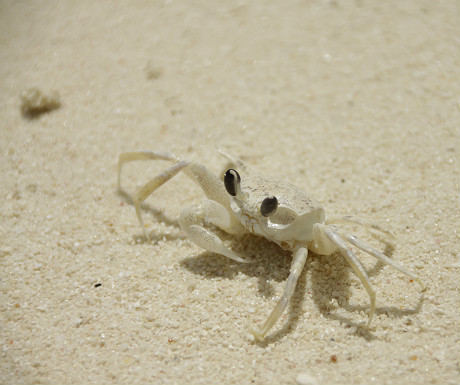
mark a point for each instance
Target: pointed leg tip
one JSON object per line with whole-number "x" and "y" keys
{"x": 255, "y": 336}
{"x": 369, "y": 321}
{"x": 232, "y": 255}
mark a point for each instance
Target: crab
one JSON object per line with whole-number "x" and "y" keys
{"x": 276, "y": 210}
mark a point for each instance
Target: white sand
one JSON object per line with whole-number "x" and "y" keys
{"x": 356, "y": 102}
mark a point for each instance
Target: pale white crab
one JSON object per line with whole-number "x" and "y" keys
{"x": 275, "y": 210}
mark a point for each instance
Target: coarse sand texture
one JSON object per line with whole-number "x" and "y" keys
{"x": 355, "y": 103}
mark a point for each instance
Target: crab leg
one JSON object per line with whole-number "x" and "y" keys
{"x": 378, "y": 255}
{"x": 298, "y": 263}
{"x": 141, "y": 155}
{"x": 355, "y": 264}
{"x": 209, "y": 183}
{"x": 192, "y": 222}
{"x": 151, "y": 186}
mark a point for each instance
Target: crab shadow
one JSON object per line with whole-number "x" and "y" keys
{"x": 268, "y": 262}
{"x": 326, "y": 280}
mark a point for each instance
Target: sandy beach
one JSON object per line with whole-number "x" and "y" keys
{"x": 356, "y": 103}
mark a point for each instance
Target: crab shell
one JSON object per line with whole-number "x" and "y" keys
{"x": 291, "y": 224}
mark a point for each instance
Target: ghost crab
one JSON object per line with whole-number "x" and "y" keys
{"x": 275, "y": 210}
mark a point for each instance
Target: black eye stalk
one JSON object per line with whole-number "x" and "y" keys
{"x": 269, "y": 206}
{"x": 232, "y": 182}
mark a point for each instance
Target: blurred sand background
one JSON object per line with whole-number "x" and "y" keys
{"x": 356, "y": 102}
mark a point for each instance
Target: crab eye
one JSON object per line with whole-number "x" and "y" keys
{"x": 232, "y": 182}
{"x": 268, "y": 206}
